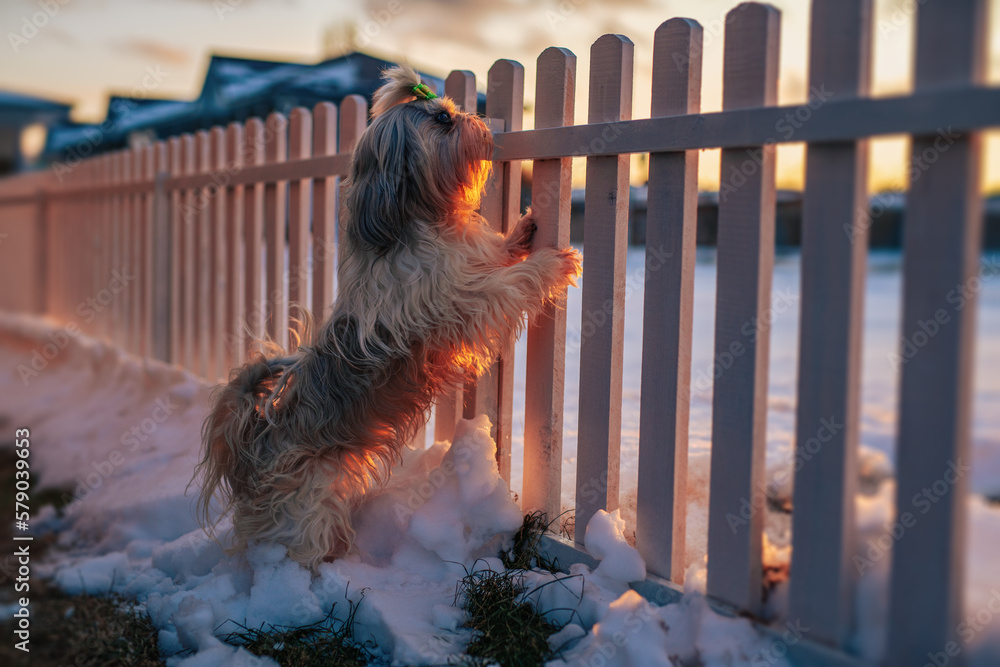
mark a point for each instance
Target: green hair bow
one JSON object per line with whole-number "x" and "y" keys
{"x": 423, "y": 92}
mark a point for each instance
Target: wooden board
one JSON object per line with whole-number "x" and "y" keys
{"x": 545, "y": 372}
{"x": 605, "y": 227}
{"x": 671, "y": 227}
{"x": 821, "y": 590}
{"x": 941, "y": 251}
{"x": 745, "y": 259}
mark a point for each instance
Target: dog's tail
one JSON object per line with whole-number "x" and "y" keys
{"x": 234, "y": 430}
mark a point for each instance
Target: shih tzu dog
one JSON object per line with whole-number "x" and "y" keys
{"x": 428, "y": 295}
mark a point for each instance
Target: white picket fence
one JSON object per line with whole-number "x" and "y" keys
{"x": 184, "y": 225}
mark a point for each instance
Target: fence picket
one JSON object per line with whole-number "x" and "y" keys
{"x": 235, "y": 255}
{"x": 189, "y": 259}
{"x": 942, "y": 245}
{"x": 275, "y": 212}
{"x": 176, "y": 160}
{"x": 353, "y": 120}
{"x": 116, "y": 244}
{"x": 745, "y": 258}
{"x": 493, "y": 394}
{"x": 162, "y": 250}
{"x": 86, "y": 174}
{"x": 545, "y": 383}
{"x": 132, "y": 241}
{"x": 253, "y": 210}
{"x": 671, "y": 227}
{"x": 299, "y": 200}
{"x": 144, "y": 252}
{"x": 460, "y": 86}
{"x": 324, "y": 212}
{"x": 821, "y": 590}
{"x": 218, "y": 294}
{"x": 203, "y": 221}
{"x": 605, "y": 226}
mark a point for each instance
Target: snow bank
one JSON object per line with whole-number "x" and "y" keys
{"x": 122, "y": 436}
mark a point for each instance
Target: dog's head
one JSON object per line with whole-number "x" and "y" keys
{"x": 420, "y": 161}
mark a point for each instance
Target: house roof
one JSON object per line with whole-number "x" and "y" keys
{"x": 233, "y": 87}
{"x": 20, "y": 109}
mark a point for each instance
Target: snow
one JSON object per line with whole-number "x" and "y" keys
{"x": 123, "y": 434}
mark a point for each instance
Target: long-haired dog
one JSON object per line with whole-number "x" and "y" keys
{"x": 427, "y": 296}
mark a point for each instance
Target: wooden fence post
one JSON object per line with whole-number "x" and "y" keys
{"x": 253, "y": 210}
{"x": 745, "y": 265}
{"x": 821, "y": 589}
{"x": 605, "y": 227}
{"x": 235, "y": 254}
{"x": 545, "y": 385}
{"x": 493, "y": 393}
{"x": 133, "y": 293}
{"x": 176, "y": 337}
{"x": 353, "y": 120}
{"x": 324, "y": 213}
{"x": 145, "y": 253}
{"x": 162, "y": 327}
{"x": 942, "y": 246}
{"x": 189, "y": 259}
{"x": 299, "y": 199}
{"x": 275, "y": 228}
{"x": 460, "y": 86}
{"x": 203, "y": 220}
{"x": 671, "y": 227}
{"x": 218, "y": 243}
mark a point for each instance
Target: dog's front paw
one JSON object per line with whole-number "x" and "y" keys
{"x": 519, "y": 240}
{"x": 571, "y": 264}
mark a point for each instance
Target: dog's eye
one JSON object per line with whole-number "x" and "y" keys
{"x": 443, "y": 117}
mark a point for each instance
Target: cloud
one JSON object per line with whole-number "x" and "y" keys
{"x": 517, "y": 24}
{"x": 155, "y": 51}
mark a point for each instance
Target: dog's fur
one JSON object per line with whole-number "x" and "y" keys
{"x": 427, "y": 296}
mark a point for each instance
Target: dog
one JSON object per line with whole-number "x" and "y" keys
{"x": 427, "y": 296}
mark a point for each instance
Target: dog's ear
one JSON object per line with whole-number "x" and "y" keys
{"x": 381, "y": 190}
{"x": 397, "y": 89}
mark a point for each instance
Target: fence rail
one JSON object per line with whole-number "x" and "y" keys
{"x": 209, "y": 237}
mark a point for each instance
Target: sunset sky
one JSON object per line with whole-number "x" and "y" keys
{"x": 92, "y": 47}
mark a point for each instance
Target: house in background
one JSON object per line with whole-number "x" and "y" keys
{"x": 24, "y": 120}
{"x": 234, "y": 89}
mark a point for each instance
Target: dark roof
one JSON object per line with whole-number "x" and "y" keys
{"x": 20, "y": 109}
{"x": 234, "y": 89}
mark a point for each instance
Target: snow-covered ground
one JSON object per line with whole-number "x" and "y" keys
{"x": 124, "y": 434}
